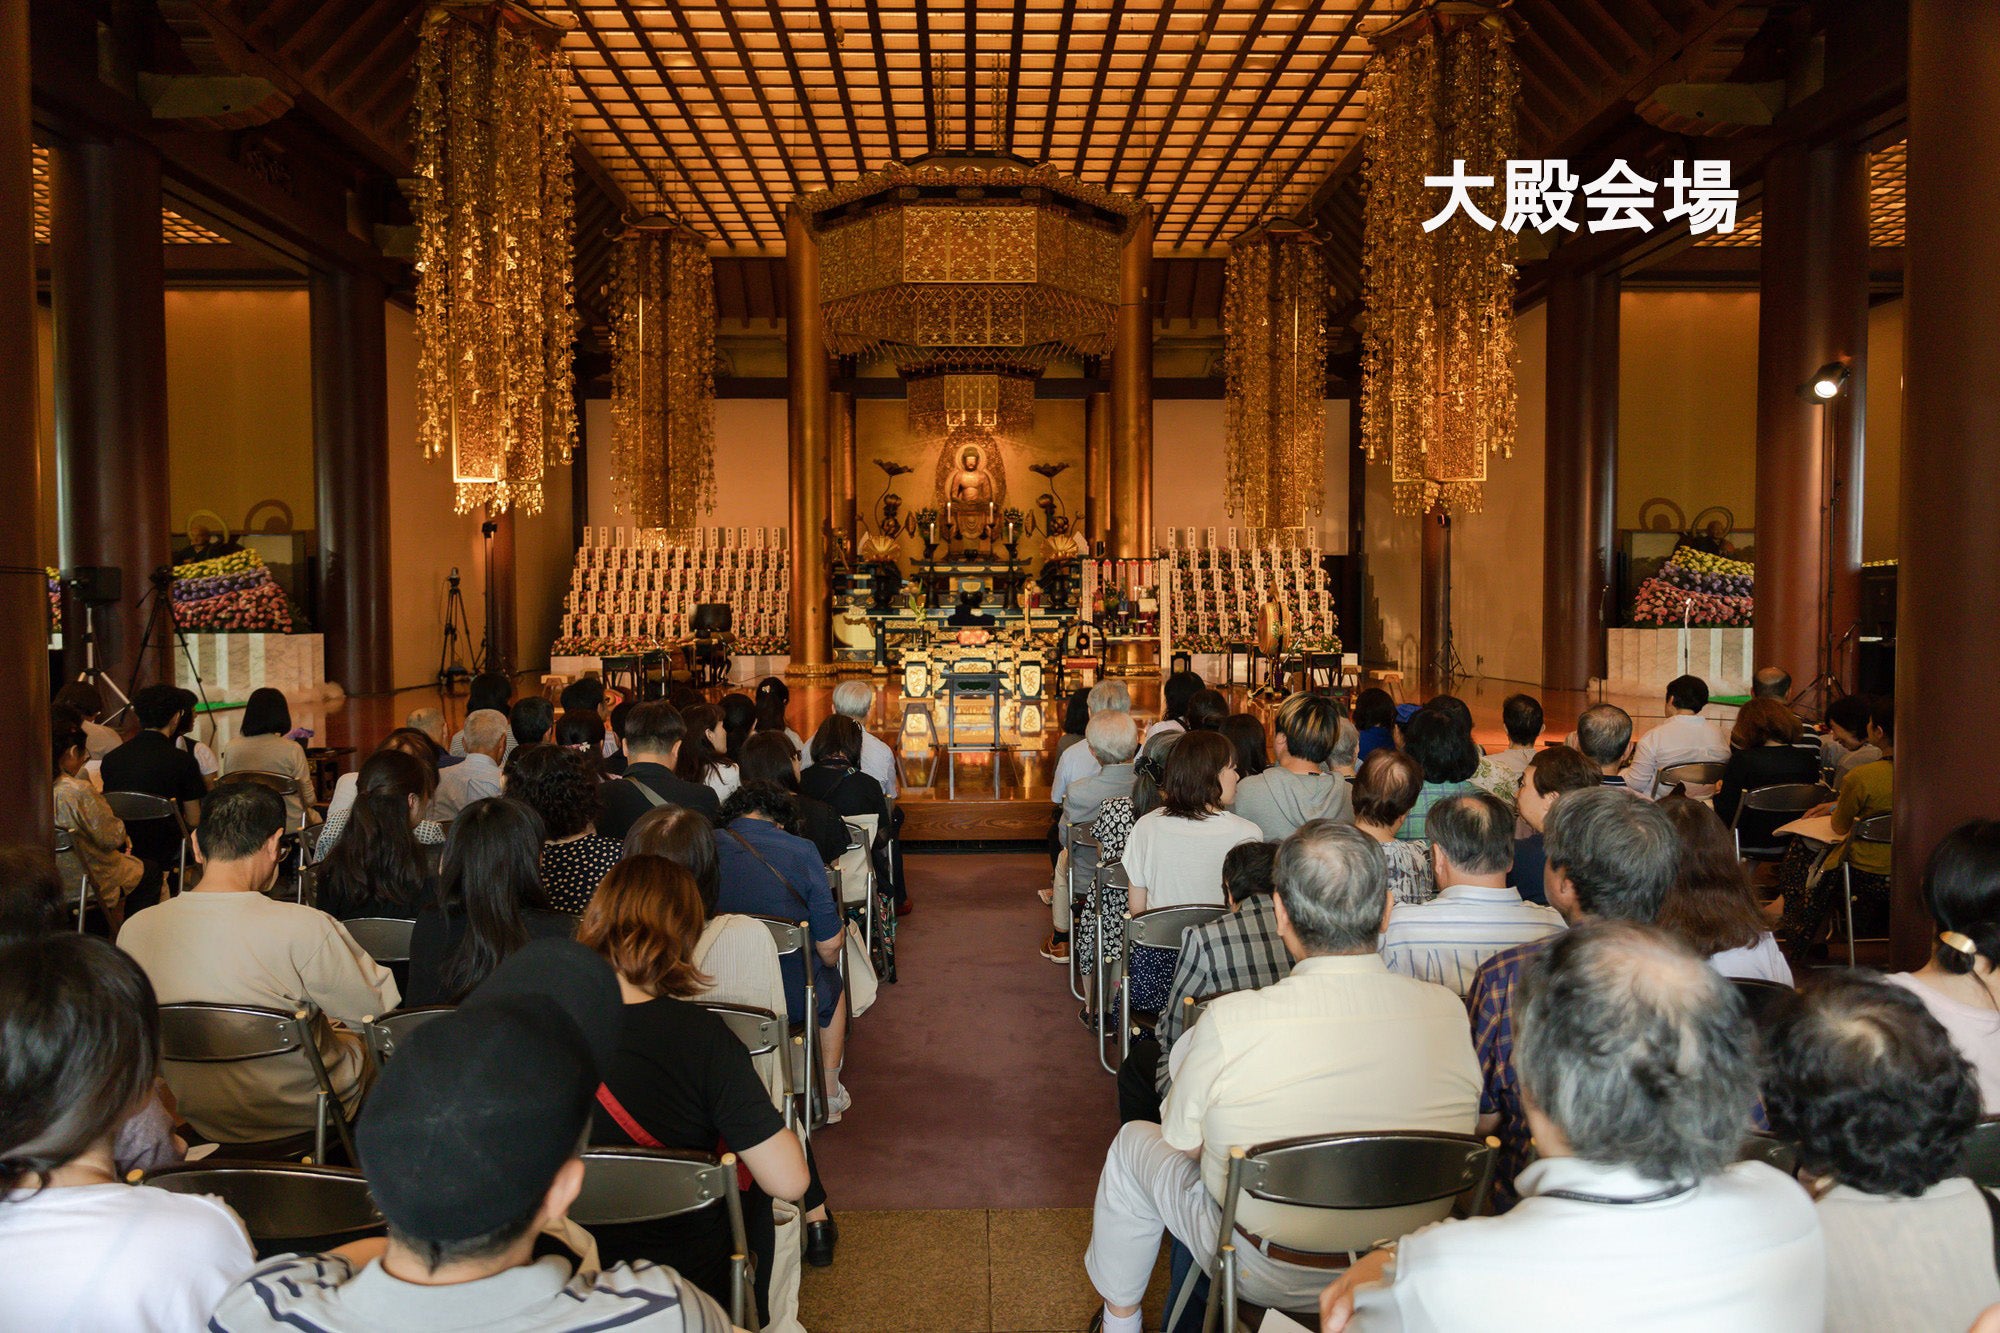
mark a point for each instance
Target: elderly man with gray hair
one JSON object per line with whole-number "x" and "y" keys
{"x": 1106, "y": 696}
{"x": 1341, "y": 1044}
{"x": 477, "y": 776}
{"x": 1112, "y": 737}
{"x": 1604, "y": 734}
{"x": 1639, "y": 1064}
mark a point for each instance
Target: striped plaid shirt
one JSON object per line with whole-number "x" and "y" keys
{"x": 1240, "y": 951}
{"x": 1491, "y": 1001}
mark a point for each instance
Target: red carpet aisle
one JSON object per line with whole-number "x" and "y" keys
{"x": 973, "y": 1082}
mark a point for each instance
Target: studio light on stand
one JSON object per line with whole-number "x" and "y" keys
{"x": 1828, "y": 384}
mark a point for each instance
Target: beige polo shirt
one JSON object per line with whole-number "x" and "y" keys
{"x": 244, "y": 948}
{"x": 1341, "y": 1045}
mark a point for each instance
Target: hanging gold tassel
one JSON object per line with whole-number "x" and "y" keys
{"x": 1274, "y": 321}
{"x": 663, "y": 378}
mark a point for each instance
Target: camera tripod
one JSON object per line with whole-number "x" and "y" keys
{"x": 451, "y": 662}
{"x": 161, "y": 620}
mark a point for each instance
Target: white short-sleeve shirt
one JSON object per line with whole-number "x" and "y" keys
{"x": 1179, "y": 861}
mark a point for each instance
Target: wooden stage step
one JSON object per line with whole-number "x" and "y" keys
{"x": 976, "y": 819}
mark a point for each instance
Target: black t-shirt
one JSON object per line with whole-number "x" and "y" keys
{"x": 151, "y": 763}
{"x": 624, "y": 803}
{"x": 689, "y": 1083}
{"x": 437, "y": 934}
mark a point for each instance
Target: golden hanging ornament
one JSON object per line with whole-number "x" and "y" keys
{"x": 1274, "y": 320}
{"x": 1437, "y": 346}
{"x": 496, "y": 318}
{"x": 663, "y": 378}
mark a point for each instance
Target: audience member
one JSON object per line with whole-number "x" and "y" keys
{"x": 1521, "y": 717}
{"x": 558, "y": 785}
{"x": 1443, "y": 749}
{"x": 1495, "y": 779}
{"x": 1711, "y": 907}
{"x": 1962, "y": 891}
{"x": 382, "y": 866}
{"x": 226, "y": 942}
{"x": 1475, "y": 914}
{"x": 739, "y": 718}
{"x": 1385, "y": 789}
{"x": 773, "y": 698}
{"x": 531, "y": 722}
{"x": 584, "y": 735}
{"x": 1076, "y": 716}
{"x": 489, "y": 902}
{"x": 1866, "y": 792}
{"x": 1237, "y": 952}
{"x": 100, "y": 847}
{"x": 1206, "y": 711}
{"x": 588, "y": 695}
{"x": 1173, "y": 855}
{"x": 1175, "y": 695}
{"x": 1604, "y": 734}
{"x": 1554, "y": 771}
{"x": 33, "y": 902}
{"x": 477, "y": 776}
{"x": 1763, "y": 752}
{"x": 79, "y": 1051}
{"x": 1107, "y": 901}
{"x": 1879, "y": 1103}
{"x": 409, "y": 741}
{"x": 680, "y": 1078}
{"x": 769, "y": 757}
{"x": 1297, "y": 789}
{"x": 1685, "y": 737}
{"x": 522, "y": 1061}
{"x": 1346, "y": 749}
{"x": 1771, "y": 683}
{"x": 1639, "y": 1066}
{"x": 1374, "y": 721}
{"x": 653, "y": 735}
{"x": 1113, "y": 738}
{"x": 615, "y": 761}
{"x": 264, "y": 744}
{"x": 1845, "y": 746}
{"x": 701, "y": 757}
{"x": 152, "y": 764}
{"x": 767, "y": 871}
{"x": 1609, "y": 857}
{"x": 430, "y": 722}
{"x": 1106, "y": 696}
{"x": 494, "y": 692}
{"x": 184, "y": 737}
{"x": 1340, "y": 1044}
{"x": 88, "y": 702}
{"x": 835, "y": 775}
{"x": 856, "y": 699}
{"x": 1245, "y": 735}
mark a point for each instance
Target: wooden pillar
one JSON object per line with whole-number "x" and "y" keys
{"x": 845, "y": 477}
{"x": 24, "y": 607}
{"x": 807, "y": 449}
{"x": 1580, "y": 478}
{"x": 1354, "y": 584}
{"x": 1947, "y": 636}
{"x": 1131, "y": 516}
{"x": 1812, "y": 309}
{"x": 579, "y": 470}
{"x": 1096, "y": 461}
{"x": 351, "y": 473}
{"x": 503, "y": 621}
{"x": 107, "y": 281}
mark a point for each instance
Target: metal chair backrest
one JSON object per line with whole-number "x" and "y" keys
{"x": 1690, "y": 775}
{"x": 276, "y": 782}
{"x": 790, "y": 936}
{"x": 1784, "y": 798}
{"x": 624, "y": 1185}
{"x": 856, "y": 865}
{"x": 1876, "y": 828}
{"x": 1770, "y": 1150}
{"x": 1162, "y": 927}
{"x": 65, "y": 845}
{"x": 386, "y": 939}
{"x": 283, "y": 1204}
{"x": 1194, "y": 1006}
{"x": 1759, "y": 997}
{"x": 141, "y": 806}
{"x": 198, "y": 1033}
{"x": 761, "y": 1031}
{"x": 1982, "y": 1153}
{"x": 385, "y": 1032}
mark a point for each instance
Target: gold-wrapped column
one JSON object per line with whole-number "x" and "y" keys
{"x": 1131, "y": 523}
{"x": 807, "y": 453}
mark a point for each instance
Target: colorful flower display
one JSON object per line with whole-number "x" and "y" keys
{"x": 1697, "y": 587}
{"x": 232, "y": 594}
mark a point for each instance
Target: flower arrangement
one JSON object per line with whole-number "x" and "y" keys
{"x": 55, "y": 599}
{"x": 232, "y": 594}
{"x": 1697, "y": 587}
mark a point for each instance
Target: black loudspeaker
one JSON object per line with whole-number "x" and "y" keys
{"x": 711, "y": 618}
{"x": 99, "y": 585}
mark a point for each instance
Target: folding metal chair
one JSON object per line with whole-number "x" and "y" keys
{"x": 855, "y": 886}
{"x": 807, "y": 1081}
{"x": 287, "y": 1207}
{"x": 766, "y": 1036}
{"x": 386, "y": 939}
{"x": 1782, "y": 798}
{"x": 1084, "y": 851}
{"x": 1770, "y": 1150}
{"x": 65, "y": 845}
{"x": 196, "y": 1033}
{"x": 626, "y": 1185}
{"x": 1109, "y": 877}
{"x": 1689, "y": 776}
{"x": 139, "y": 807}
{"x": 1421, "y": 1176}
{"x": 1161, "y": 928}
{"x": 385, "y": 1032}
{"x": 1876, "y": 831}
{"x": 1982, "y": 1153}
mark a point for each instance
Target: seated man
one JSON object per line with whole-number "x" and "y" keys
{"x": 1686, "y": 737}
{"x": 1113, "y": 738}
{"x": 1475, "y": 914}
{"x": 476, "y": 776}
{"x": 1296, "y": 787}
{"x": 1341, "y": 1044}
{"x": 471, "y": 1143}
{"x": 1106, "y": 696}
{"x": 1604, "y": 734}
{"x": 1241, "y": 951}
{"x": 1609, "y": 856}
{"x": 151, "y": 763}
{"x": 1639, "y": 1065}
{"x": 653, "y": 735}
{"x": 225, "y": 942}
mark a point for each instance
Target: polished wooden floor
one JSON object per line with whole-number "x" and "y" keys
{"x": 973, "y": 796}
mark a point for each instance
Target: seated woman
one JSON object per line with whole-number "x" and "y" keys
{"x": 1870, "y": 1088}
{"x": 1374, "y": 721}
{"x": 558, "y": 784}
{"x": 1246, "y": 735}
{"x": 1107, "y": 903}
{"x": 489, "y": 902}
{"x": 681, "y": 1079}
{"x": 405, "y": 740}
{"x": 582, "y": 732}
{"x": 1958, "y": 985}
{"x": 739, "y": 719}
{"x": 769, "y": 757}
{"x": 1711, "y": 907}
{"x": 262, "y": 745}
{"x": 836, "y": 778}
{"x": 1174, "y": 854}
{"x": 773, "y": 698}
{"x": 769, "y": 872}
{"x": 1441, "y": 743}
{"x": 1809, "y": 904}
{"x": 97, "y": 837}
{"x": 1385, "y": 789}
{"x": 1764, "y": 751}
{"x": 701, "y": 758}
{"x": 79, "y": 1050}
{"x": 379, "y": 867}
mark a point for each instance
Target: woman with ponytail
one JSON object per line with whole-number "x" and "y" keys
{"x": 380, "y": 867}
{"x": 1958, "y": 985}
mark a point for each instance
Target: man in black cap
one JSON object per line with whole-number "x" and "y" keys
{"x": 470, "y": 1141}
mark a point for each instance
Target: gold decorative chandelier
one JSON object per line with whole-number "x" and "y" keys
{"x": 663, "y": 377}
{"x": 948, "y": 402}
{"x": 1274, "y": 322}
{"x": 1437, "y": 347}
{"x": 496, "y": 319}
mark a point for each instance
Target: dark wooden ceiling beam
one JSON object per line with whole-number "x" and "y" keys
{"x": 890, "y": 121}
{"x": 834, "y": 46}
{"x": 1163, "y": 20}
{"x": 1210, "y": 14}
{"x": 934, "y": 132}
{"x": 1229, "y": 78}
{"x": 734, "y": 32}
{"x": 971, "y": 75}
{"x": 1004, "y": 133}
{"x": 1057, "y": 67}
{"x": 359, "y": 49}
{"x": 1093, "y": 107}
{"x": 660, "y": 188}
